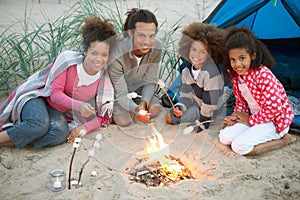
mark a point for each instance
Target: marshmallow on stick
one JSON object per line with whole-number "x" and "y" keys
{"x": 131, "y": 95}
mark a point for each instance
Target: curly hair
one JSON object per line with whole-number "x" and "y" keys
{"x": 135, "y": 15}
{"x": 244, "y": 38}
{"x": 96, "y": 29}
{"x": 208, "y": 34}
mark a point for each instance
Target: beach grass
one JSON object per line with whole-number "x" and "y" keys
{"x": 25, "y": 52}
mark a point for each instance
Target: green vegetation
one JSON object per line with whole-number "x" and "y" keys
{"x": 23, "y": 53}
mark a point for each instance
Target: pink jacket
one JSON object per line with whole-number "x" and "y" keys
{"x": 65, "y": 95}
{"x": 269, "y": 93}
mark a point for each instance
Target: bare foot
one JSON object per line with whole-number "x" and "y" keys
{"x": 288, "y": 139}
{"x": 271, "y": 145}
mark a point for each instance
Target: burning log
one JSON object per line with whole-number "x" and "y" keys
{"x": 155, "y": 174}
{"x": 160, "y": 168}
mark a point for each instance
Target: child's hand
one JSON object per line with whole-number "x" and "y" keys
{"x": 243, "y": 117}
{"x": 230, "y": 120}
{"x": 177, "y": 112}
{"x": 178, "y": 109}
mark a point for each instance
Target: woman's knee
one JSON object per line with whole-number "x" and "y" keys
{"x": 34, "y": 116}
{"x": 57, "y": 133}
{"x": 60, "y": 131}
{"x": 58, "y": 125}
{"x": 38, "y": 127}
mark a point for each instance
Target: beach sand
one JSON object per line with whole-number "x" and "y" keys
{"x": 219, "y": 173}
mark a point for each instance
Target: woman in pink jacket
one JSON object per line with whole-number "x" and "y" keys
{"x": 262, "y": 114}
{"x": 63, "y": 101}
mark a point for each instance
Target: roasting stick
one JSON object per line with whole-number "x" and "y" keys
{"x": 162, "y": 86}
{"x": 131, "y": 95}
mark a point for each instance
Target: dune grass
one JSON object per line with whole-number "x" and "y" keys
{"x": 23, "y": 53}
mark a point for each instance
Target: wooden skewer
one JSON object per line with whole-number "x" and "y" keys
{"x": 81, "y": 170}
{"x": 70, "y": 169}
{"x": 113, "y": 100}
{"x": 168, "y": 97}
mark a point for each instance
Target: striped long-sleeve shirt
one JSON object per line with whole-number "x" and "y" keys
{"x": 206, "y": 89}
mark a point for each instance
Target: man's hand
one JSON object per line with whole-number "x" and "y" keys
{"x": 141, "y": 106}
{"x": 143, "y": 116}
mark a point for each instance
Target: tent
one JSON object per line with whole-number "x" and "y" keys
{"x": 268, "y": 19}
{"x": 276, "y": 23}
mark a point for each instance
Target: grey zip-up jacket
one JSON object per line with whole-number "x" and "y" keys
{"x": 127, "y": 76}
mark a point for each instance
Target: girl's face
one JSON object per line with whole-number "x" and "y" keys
{"x": 96, "y": 57}
{"x": 143, "y": 37}
{"x": 240, "y": 60}
{"x": 198, "y": 54}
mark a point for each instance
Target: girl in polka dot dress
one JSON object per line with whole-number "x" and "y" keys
{"x": 262, "y": 114}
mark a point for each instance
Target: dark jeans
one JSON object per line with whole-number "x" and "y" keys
{"x": 40, "y": 123}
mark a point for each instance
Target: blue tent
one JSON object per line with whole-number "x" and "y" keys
{"x": 276, "y": 23}
{"x": 273, "y": 19}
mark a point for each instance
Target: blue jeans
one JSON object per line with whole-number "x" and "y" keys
{"x": 41, "y": 124}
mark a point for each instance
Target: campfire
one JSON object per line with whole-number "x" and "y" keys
{"x": 160, "y": 168}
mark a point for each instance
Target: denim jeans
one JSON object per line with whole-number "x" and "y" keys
{"x": 40, "y": 124}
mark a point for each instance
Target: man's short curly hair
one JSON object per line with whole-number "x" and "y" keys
{"x": 96, "y": 29}
{"x": 208, "y": 34}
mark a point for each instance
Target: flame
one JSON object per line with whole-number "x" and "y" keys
{"x": 159, "y": 150}
{"x": 157, "y": 146}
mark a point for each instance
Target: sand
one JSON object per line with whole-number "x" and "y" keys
{"x": 219, "y": 173}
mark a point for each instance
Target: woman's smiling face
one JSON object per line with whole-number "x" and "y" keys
{"x": 96, "y": 57}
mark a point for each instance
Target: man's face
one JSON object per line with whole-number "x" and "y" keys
{"x": 142, "y": 37}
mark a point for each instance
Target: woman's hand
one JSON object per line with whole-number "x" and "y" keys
{"x": 86, "y": 109}
{"x": 79, "y": 131}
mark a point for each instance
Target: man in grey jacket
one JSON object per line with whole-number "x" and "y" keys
{"x": 134, "y": 64}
